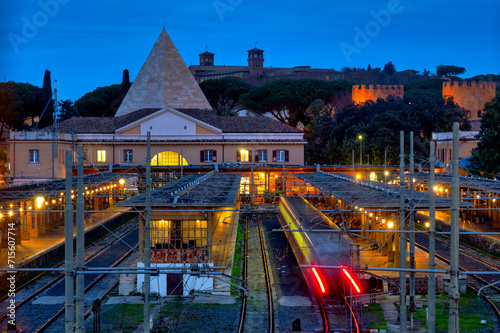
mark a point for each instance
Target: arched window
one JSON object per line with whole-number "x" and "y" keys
{"x": 168, "y": 158}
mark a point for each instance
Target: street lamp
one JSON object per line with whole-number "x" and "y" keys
{"x": 360, "y": 137}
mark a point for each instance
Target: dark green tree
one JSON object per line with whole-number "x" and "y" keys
{"x": 224, "y": 94}
{"x": 288, "y": 100}
{"x": 46, "y": 102}
{"x": 18, "y": 102}
{"x": 389, "y": 68}
{"x": 102, "y": 102}
{"x": 67, "y": 110}
{"x": 449, "y": 70}
{"x": 487, "y": 154}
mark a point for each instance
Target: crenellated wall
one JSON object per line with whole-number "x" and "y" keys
{"x": 361, "y": 94}
{"x": 470, "y": 95}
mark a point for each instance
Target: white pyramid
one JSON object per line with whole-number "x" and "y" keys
{"x": 163, "y": 81}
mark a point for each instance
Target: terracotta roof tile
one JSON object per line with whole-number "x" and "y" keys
{"x": 108, "y": 125}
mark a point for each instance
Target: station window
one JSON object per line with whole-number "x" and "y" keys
{"x": 280, "y": 156}
{"x": 101, "y": 155}
{"x": 187, "y": 234}
{"x": 261, "y": 156}
{"x": 127, "y": 156}
{"x": 208, "y": 156}
{"x": 34, "y": 156}
{"x": 243, "y": 155}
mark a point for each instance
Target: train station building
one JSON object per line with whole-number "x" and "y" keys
{"x": 166, "y": 101}
{"x": 193, "y": 225}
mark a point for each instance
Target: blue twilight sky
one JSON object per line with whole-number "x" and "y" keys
{"x": 87, "y": 44}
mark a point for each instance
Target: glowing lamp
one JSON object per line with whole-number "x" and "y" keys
{"x": 122, "y": 182}
{"x": 39, "y": 202}
{"x": 390, "y": 224}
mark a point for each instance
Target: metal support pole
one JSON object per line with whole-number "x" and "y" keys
{"x": 385, "y": 166}
{"x": 412, "y": 235}
{"x": 54, "y": 132}
{"x": 453, "y": 323}
{"x": 182, "y": 163}
{"x": 402, "y": 236}
{"x": 360, "y": 150}
{"x": 69, "y": 319}
{"x": 353, "y": 163}
{"x": 80, "y": 246}
{"x": 147, "y": 237}
{"x": 431, "y": 323}
{"x": 284, "y": 183}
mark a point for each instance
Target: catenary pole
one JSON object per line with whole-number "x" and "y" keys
{"x": 402, "y": 236}
{"x": 69, "y": 319}
{"x": 353, "y": 162}
{"x": 80, "y": 246}
{"x": 453, "y": 323}
{"x": 147, "y": 237}
{"x": 411, "y": 236}
{"x": 431, "y": 323}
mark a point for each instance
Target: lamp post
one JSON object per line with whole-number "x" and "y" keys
{"x": 360, "y": 137}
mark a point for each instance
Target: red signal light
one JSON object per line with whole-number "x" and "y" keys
{"x": 352, "y": 280}
{"x": 321, "y": 285}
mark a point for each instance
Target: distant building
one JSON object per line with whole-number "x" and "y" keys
{"x": 444, "y": 145}
{"x": 255, "y": 72}
{"x": 361, "y": 94}
{"x": 471, "y": 96}
{"x": 166, "y": 101}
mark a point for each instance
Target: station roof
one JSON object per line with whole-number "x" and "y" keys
{"x": 212, "y": 189}
{"x": 369, "y": 194}
{"x": 54, "y": 187}
{"x": 473, "y": 183}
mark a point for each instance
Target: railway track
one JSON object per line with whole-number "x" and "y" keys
{"x": 29, "y": 316}
{"x": 253, "y": 315}
{"x": 469, "y": 262}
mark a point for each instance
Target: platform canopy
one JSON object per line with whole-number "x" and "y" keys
{"x": 212, "y": 189}
{"x": 369, "y": 194}
{"x": 472, "y": 183}
{"x": 54, "y": 187}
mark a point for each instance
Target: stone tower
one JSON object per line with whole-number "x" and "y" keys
{"x": 471, "y": 96}
{"x": 163, "y": 81}
{"x": 256, "y": 62}
{"x": 206, "y": 58}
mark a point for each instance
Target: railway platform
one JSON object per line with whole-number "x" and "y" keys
{"x": 30, "y": 250}
{"x": 443, "y": 221}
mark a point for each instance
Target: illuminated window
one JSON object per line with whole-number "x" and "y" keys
{"x": 101, "y": 155}
{"x": 127, "y": 156}
{"x": 187, "y": 234}
{"x": 34, "y": 156}
{"x": 168, "y": 158}
{"x": 244, "y": 155}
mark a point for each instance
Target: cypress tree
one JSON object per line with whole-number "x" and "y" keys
{"x": 46, "y": 102}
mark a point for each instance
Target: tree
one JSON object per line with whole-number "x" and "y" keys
{"x": 332, "y": 137}
{"x": 288, "y": 100}
{"x": 67, "y": 110}
{"x": 18, "y": 101}
{"x": 389, "y": 68}
{"x": 487, "y": 154}
{"x": 46, "y": 102}
{"x": 224, "y": 94}
{"x": 101, "y": 102}
{"x": 449, "y": 70}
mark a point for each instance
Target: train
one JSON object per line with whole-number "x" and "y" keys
{"x": 315, "y": 247}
